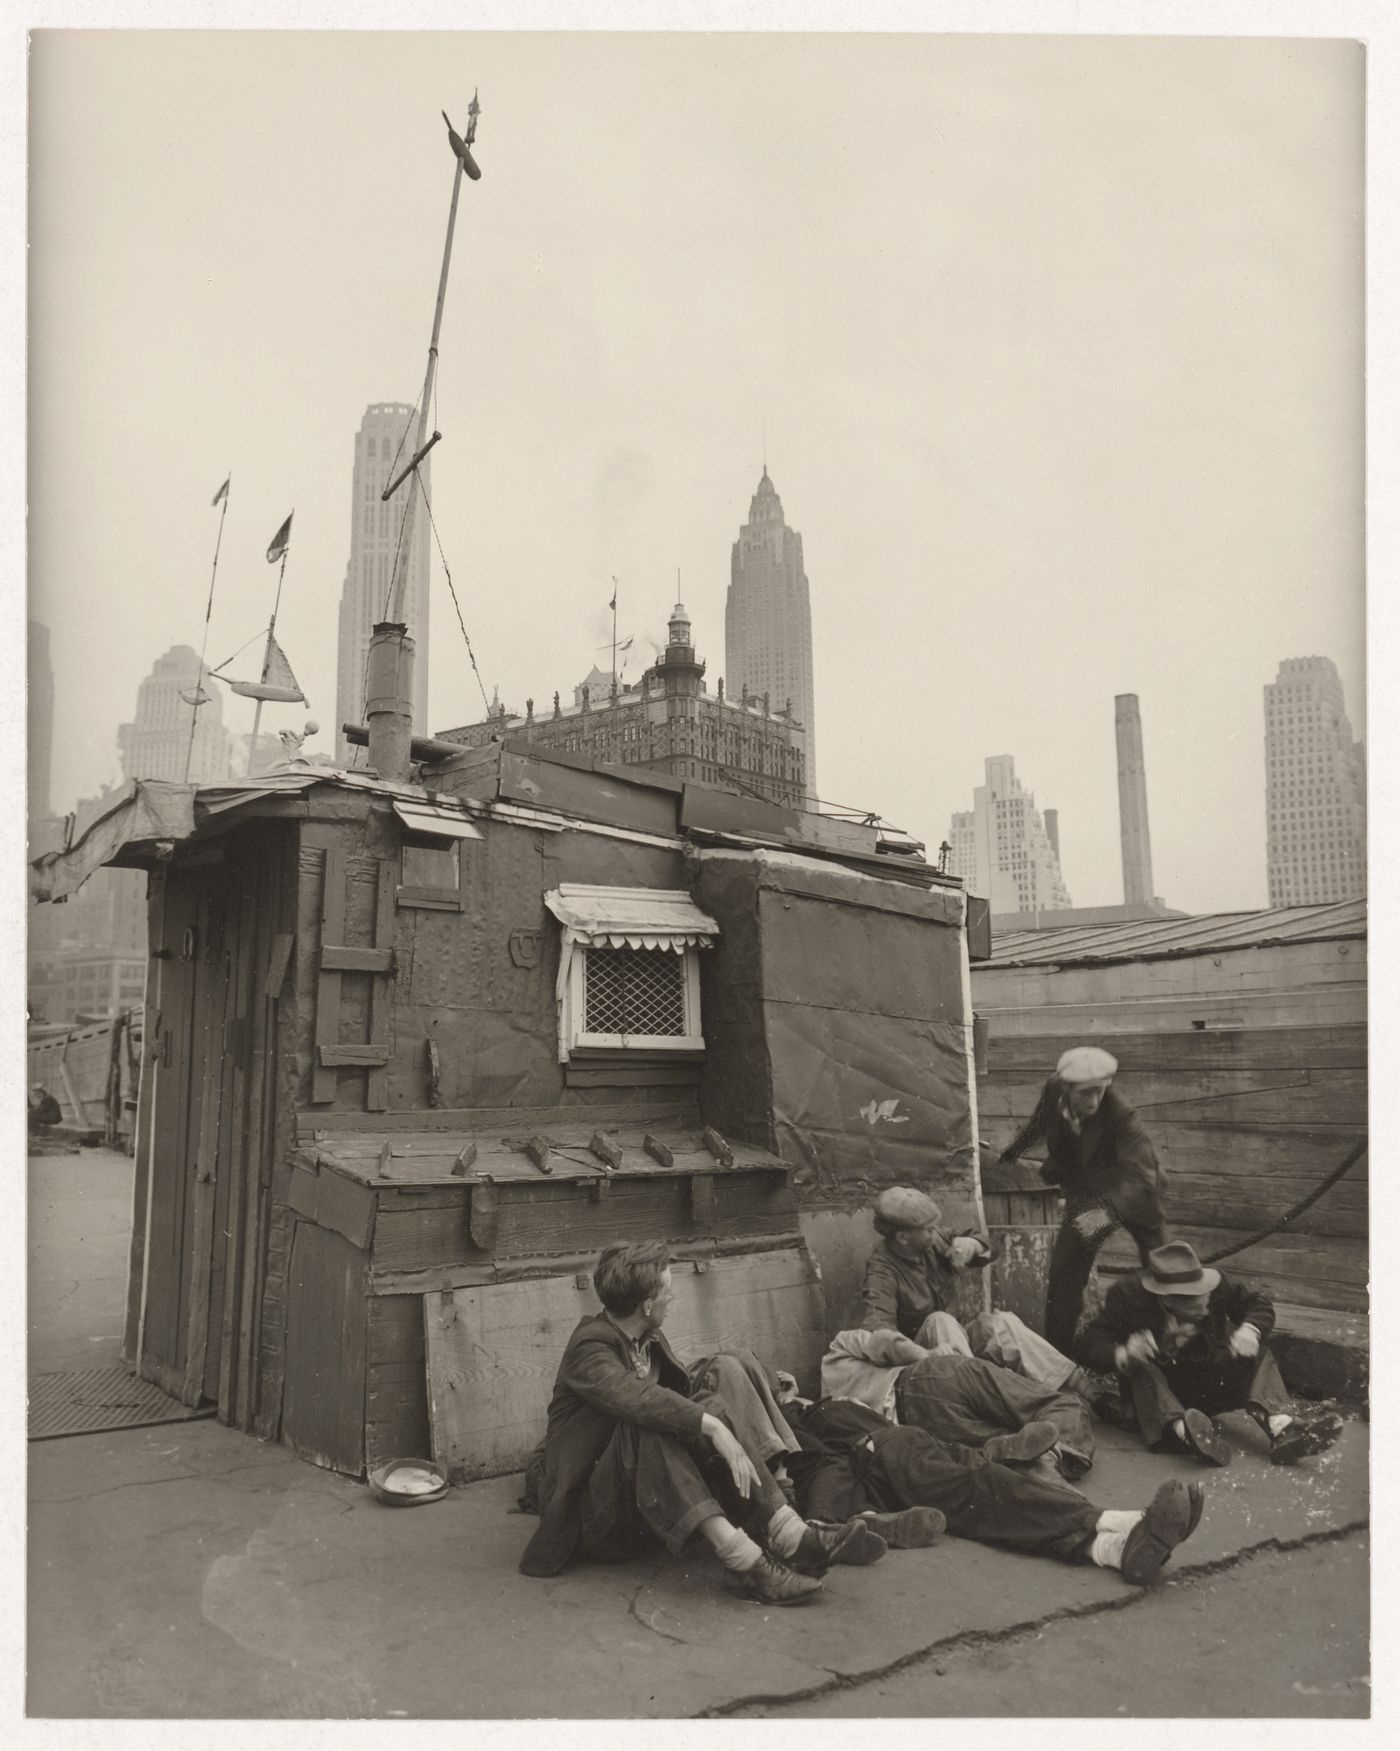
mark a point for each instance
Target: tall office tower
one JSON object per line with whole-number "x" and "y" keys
{"x": 40, "y": 715}
{"x": 155, "y": 744}
{"x": 1000, "y": 847}
{"x": 768, "y": 619}
{"x": 383, "y": 445}
{"x": 1132, "y": 802}
{"x": 1315, "y": 787}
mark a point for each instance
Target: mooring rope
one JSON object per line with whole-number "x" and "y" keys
{"x": 1303, "y": 1204}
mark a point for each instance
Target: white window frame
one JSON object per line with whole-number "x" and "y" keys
{"x": 574, "y": 1009}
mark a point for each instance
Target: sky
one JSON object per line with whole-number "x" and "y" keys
{"x": 1053, "y": 346}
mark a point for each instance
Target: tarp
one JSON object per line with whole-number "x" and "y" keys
{"x": 147, "y": 811}
{"x": 630, "y": 917}
{"x": 144, "y": 809}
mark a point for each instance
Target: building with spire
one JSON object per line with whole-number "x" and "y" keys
{"x": 155, "y": 743}
{"x": 1315, "y": 787}
{"x": 1001, "y": 850}
{"x": 768, "y": 618}
{"x": 384, "y": 441}
{"x": 668, "y": 721}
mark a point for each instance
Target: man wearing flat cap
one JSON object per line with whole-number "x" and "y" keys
{"x": 1188, "y": 1343}
{"x": 1106, "y": 1169}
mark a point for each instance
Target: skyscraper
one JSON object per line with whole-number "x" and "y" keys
{"x": 1315, "y": 787}
{"x": 383, "y": 445}
{"x": 1132, "y": 802}
{"x": 155, "y": 743}
{"x": 768, "y": 619}
{"x": 1000, "y": 847}
{"x": 40, "y": 716}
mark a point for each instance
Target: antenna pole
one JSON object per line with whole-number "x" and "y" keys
{"x": 208, "y": 611}
{"x": 394, "y": 613}
{"x": 267, "y": 661}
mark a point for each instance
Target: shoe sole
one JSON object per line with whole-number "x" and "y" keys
{"x": 1025, "y": 1445}
{"x": 1310, "y": 1438}
{"x": 740, "y": 1592}
{"x": 1172, "y": 1516}
{"x": 910, "y": 1528}
{"x": 1205, "y": 1440}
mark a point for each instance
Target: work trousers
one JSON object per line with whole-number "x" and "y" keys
{"x": 1160, "y": 1391}
{"x": 648, "y": 1487}
{"x": 899, "y": 1468}
{"x": 741, "y": 1382}
{"x": 1072, "y": 1258}
{"x": 1001, "y": 1338}
{"x": 967, "y": 1400}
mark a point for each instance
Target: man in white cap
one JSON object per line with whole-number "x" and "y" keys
{"x": 1188, "y": 1343}
{"x": 1106, "y": 1168}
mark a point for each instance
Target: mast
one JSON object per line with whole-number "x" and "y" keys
{"x": 395, "y": 610}
{"x": 267, "y": 663}
{"x": 220, "y": 499}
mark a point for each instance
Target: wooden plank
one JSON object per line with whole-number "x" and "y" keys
{"x": 241, "y": 958}
{"x": 358, "y": 1056}
{"x": 638, "y": 1076}
{"x": 323, "y": 1412}
{"x": 572, "y": 1122}
{"x": 324, "y": 1081}
{"x": 381, "y": 1000}
{"x": 256, "y": 1145}
{"x": 207, "y": 1077}
{"x": 395, "y": 1330}
{"x": 339, "y": 959}
{"x": 1336, "y": 1047}
{"x": 492, "y": 1352}
{"x": 331, "y": 1200}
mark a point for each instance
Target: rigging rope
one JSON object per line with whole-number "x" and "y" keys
{"x": 447, "y": 573}
{"x": 1303, "y": 1204}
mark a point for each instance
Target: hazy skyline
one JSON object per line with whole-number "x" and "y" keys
{"x": 1057, "y": 344}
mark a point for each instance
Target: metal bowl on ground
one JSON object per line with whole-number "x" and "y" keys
{"x": 404, "y": 1483}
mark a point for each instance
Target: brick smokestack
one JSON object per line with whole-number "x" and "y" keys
{"x": 1132, "y": 803}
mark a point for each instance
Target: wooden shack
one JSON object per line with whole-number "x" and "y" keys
{"x": 1240, "y": 1040}
{"x": 415, "y": 1051}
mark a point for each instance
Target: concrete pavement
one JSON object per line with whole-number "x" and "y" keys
{"x": 190, "y": 1571}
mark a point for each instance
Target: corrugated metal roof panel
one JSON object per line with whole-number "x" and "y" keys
{"x": 1155, "y": 938}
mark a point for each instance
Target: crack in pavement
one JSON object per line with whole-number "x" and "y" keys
{"x": 982, "y": 1638}
{"x": 646, "y": 1622}
{"x": 143, "y": 1483}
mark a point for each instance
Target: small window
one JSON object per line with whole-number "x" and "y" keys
{"x": 637, "y": 998}
{"x": 431, "y": 871}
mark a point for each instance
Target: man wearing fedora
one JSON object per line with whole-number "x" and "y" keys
{"x": 1106, "y": 1169}
{"x": 1188, "y": 1343}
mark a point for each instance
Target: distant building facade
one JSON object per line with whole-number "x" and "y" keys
{"x": 155, "y": 743}
{"x": 1134, "y": 833}
{"x": 669, "y": 722}
{"x": 1000, "y": 848}
{"x": 768, "y": 618}
{"x": 383, "y": 446}
{"x": 1315, "y": 787}
{"x": 40, "y": 720}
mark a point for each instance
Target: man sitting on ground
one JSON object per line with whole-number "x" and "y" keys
{"x": 909, "y": 1485}
{"x": 635, "y": 1452}
{"x": 909, "y": 1279}
{"x": 1189, "y": 1343}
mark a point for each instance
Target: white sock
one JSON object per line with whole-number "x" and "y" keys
{"x": 1107, "y": 1549}
{"x": 1118, "y": 1519}
{"x": 736, "y": 1550}
{"x": 785, "y": 1531}
{"x": 1278, "y": 1423}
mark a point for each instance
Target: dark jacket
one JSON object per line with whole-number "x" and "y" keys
{"x": 1128, "y": 1307}
{"x": 899, "y": 1293}
{"x": 595, "y": 1390}
{"x": 1110, "y": 1158}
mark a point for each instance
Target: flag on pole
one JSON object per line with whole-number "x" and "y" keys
{"x": 626, "y": 645}
{"x": 281, "y": 540}
{"x": 613, "y": 604}
{"x": 222, "y": 493}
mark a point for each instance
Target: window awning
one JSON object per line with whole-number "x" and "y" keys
{"x": 630, "y": 917}
{"x": 440, "y": 823}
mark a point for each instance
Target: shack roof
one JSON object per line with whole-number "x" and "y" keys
{"x": 142, "y": 821}
{"x": 1083, "y": 945}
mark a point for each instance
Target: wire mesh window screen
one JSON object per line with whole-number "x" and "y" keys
{"x": 634, "y": 991}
